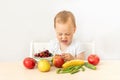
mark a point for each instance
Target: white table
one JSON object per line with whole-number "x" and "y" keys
{"x": 106, "y": 70}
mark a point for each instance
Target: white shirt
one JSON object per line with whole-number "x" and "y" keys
{"x": 74, "y": 48}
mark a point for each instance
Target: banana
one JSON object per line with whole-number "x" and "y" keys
{"x": 74, "y": 62}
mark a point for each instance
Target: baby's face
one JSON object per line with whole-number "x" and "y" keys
{"x": 65, "y": 32}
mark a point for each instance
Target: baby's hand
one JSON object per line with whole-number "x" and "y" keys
{"x": 67, "y": 56}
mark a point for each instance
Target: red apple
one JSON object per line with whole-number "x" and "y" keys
{"x": 58, "y": 61}
{"x": 29, "y": 62}
{"x": 93, "y": 59}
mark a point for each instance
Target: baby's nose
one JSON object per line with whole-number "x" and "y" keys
{"x": 64, "y": 37}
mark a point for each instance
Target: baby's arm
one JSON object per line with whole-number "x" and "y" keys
{"x": 80, "y": 56}
{"x": 68, "y": 56}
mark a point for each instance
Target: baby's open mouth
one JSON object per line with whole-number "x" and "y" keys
{"x": 64, "y": 41}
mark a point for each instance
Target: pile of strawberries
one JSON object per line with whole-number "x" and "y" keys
{"x": 44, "y": 53}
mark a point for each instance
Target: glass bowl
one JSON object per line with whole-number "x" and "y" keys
{"x": 47, "y": 58}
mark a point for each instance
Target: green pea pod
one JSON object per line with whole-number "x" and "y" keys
{"x": 88, "y": 65}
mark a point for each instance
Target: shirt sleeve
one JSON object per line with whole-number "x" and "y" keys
{"x": 79, "y": 48}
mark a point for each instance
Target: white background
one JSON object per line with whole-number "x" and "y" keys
{"x": 22, "y": 21}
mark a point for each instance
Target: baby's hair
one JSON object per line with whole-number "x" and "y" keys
{"x": 63, "y": 16}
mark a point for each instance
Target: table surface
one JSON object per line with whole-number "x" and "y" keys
{"x": 106, "y": 70}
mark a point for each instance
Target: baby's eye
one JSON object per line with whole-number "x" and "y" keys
{"x": 67, "y": 34}
{"x": 60, "y": 34}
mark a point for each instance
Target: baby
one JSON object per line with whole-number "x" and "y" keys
{"x": 65, "y": 45}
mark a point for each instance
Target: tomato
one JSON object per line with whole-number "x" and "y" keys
{"x": 93, "y": 59}
{"x": 29, "y": 62}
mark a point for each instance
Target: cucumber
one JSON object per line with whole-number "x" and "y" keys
{"x": 90, "y": 66}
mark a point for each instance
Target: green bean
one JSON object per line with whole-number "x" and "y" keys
{"x": 74, "y": 71}
{"x": 58, "y": 71}
{"x": 78, "y": 67}
{"x": 68, "y": 68}
{"x": 88, "y": 65}
{"x": 82, "y": 68}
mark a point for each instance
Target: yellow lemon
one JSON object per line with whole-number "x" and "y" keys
{"x": 44, "y": 65}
